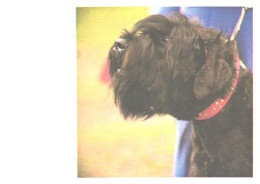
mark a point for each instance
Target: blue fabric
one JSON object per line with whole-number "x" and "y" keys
{"x": 225, "y": 19}
{"x": 183, "y": 148}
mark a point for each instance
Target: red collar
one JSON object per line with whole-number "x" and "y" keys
{"x": 220, "y": 103}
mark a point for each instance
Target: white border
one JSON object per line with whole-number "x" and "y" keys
{"x": 162, "y": 3}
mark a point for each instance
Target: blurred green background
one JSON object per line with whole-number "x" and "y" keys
{"x": 108, "y": 145}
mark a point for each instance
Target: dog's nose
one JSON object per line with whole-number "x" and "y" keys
{"x": 120, "y": 45}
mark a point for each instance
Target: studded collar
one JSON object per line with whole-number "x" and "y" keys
{"x": 219, "y": 104}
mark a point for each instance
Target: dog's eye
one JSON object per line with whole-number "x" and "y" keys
{"x": 142, "y": 33}
{"x": 139, "y": 33}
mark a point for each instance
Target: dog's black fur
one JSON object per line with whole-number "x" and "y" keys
{"x": 171, "y": 65}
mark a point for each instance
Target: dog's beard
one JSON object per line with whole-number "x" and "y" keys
{"x": 138, "y": 99}
{"x": 133, "y": 100}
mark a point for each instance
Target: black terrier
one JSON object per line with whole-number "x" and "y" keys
{"x": 171, "y": 65}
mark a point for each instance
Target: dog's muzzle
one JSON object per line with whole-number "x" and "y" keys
{"x": 120, "y": 45}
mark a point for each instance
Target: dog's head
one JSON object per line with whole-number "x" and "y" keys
{"x": 165, "y": 65}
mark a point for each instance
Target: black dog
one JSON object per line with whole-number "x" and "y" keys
{"x": 170, "y": 65}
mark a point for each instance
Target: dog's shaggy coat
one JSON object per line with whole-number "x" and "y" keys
{"x": 171, "y": 65}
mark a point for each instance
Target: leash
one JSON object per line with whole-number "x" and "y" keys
{"x": 239, "y": 23}
{"x": 237, "y": 29}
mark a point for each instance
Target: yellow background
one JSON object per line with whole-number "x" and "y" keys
{"x": 108, "y": 145}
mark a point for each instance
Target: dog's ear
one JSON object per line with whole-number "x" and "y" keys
{"x": 212, "y": 77}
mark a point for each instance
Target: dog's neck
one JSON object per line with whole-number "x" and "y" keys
{"x": 220, "y": 103}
